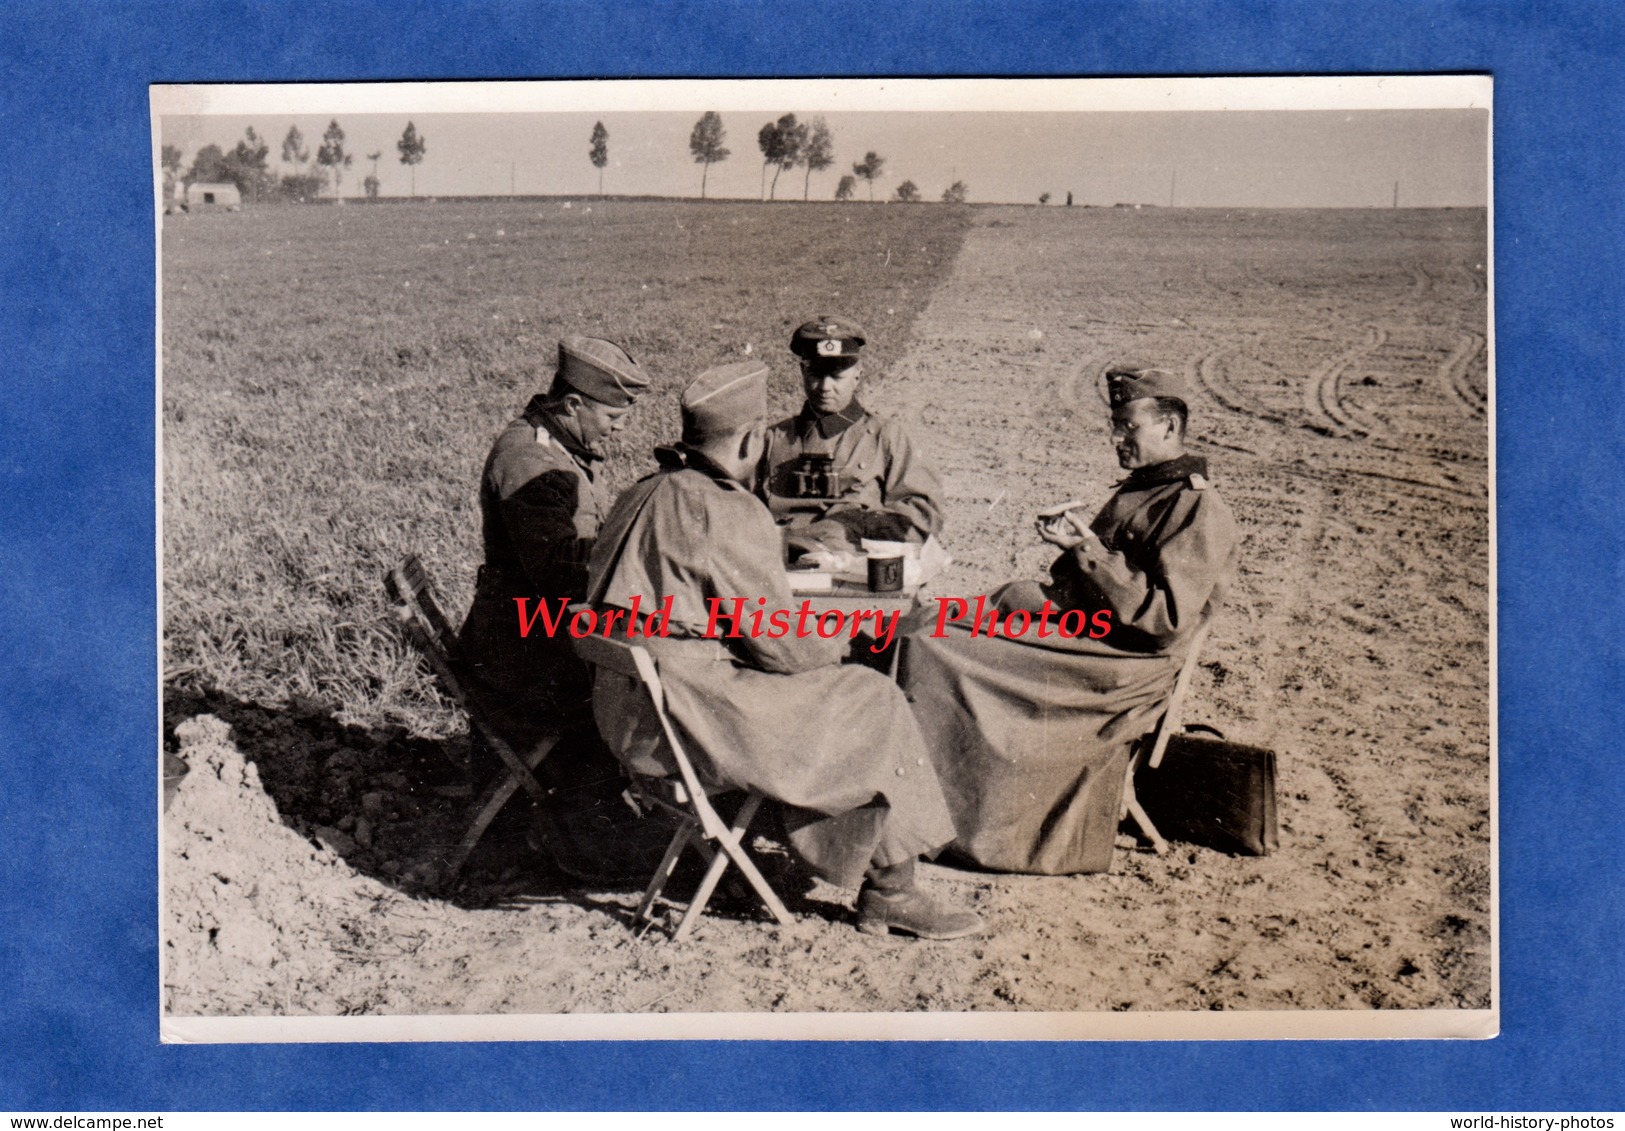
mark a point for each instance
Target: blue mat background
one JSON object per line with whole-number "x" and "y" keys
{"x": 78, "y": 942}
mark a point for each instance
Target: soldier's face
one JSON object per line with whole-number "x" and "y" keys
{"x": 1141, "y": 437}
{"x": 830, "y": 390}
{"x": 596, "y": 422}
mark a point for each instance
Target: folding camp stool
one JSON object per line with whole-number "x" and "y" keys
{"x": 413, "y": 602}
{"x": 684, "y": 798}
{"x": 1149, "y": 749}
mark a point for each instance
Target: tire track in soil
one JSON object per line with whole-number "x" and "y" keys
{"x": 1207, "y": 372}
{"x": 1453, "y": 374}
{"x": 1323, "y": 393}
{"x": 1421, "y": 282}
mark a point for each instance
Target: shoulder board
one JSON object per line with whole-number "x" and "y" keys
{"x": 1198, "y": 481}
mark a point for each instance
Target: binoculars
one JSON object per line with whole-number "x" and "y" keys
{"x": 812, "y": 477}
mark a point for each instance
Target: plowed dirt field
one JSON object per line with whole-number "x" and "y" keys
{"x": 1341, "y": 359}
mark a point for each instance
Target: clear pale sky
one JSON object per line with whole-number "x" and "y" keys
{"x": 1237, "y": 158}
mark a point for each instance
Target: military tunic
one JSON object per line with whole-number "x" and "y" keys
{"x": 835, "y": 744}
{"x": 1032, "y": 737}
{"x": 540, "y": 510}
{"x": 1166, "y": 552}
{"x": 881, "y": 490}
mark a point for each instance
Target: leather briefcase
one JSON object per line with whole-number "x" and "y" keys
{"x": 1212, "y": 792}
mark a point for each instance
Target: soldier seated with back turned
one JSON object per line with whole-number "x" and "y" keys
{"x": 835, "y": 745}
{"x": 836, "y": 472}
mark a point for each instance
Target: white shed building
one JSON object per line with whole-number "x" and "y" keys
{"x": 202, "y": 197}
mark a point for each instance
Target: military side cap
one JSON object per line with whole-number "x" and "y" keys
{"x": 601, "y": 370}
{"x": 724, "y": 399}
{"x": 827, "y": 337}
{"x": 1131, "y": 380}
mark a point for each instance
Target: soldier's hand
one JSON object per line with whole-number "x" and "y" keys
{"x": 1062, "y": 530}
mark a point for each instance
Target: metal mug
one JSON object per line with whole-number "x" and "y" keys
{"x": 886, "y": 574}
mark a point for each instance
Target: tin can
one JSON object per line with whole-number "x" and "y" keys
{"x": 886, "y": 574}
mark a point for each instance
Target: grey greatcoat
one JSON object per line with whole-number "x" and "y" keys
{"x": 1032, "y": 737}
{"x": 836, "y": 745}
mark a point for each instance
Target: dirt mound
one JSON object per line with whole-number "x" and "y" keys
{"x": 257, "y": 915}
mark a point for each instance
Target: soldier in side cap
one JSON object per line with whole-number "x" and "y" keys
{"x": 1164, "y": 547}
{"x": 836, "y": 470}
{"x": 835, "y": 745}
{"x": 540, "y": 509}
{"x": 1034, "y": 778}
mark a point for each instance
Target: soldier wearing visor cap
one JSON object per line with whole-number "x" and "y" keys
{"x": 837, "y": 472}
{"x": 540, "y": 509}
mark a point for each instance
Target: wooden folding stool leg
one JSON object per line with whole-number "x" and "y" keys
{"x": 668, "y": 863}
{"x": 689, "y": 801}
{"x": 412, "y": 599}
{"x": 1149, "y": 749}
{"x": 733, "y": 851}
{"x": 1131, "y": 804}
{"x": 494, "y": 799}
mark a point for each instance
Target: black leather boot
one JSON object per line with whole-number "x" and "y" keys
{"x": 890, "y": 901}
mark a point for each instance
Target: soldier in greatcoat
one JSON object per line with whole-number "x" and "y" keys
{"x": 1032, "y": 735}
{"x": 835, "y": 745}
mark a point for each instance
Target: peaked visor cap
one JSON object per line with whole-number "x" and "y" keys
{"x": 724, "y": 399}
{"x": 601, "y": 370}
{"x": 1131, "y": 380}
{"x": 828, "y": 337}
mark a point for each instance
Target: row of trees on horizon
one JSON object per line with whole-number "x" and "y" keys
{"x": 247, "y": 165}
{"x": 786, "y": 144}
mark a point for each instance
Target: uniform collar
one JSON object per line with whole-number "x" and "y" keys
{"x": 681, "y": 457}
{"x": 538, "y": 415}
{"x": 829, "y": 424}
{"x": 1169, "y": 471}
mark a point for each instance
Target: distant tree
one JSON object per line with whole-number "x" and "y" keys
{"x": 1069, "y": 198}
{"x": 869, "y": 168}
{"x": 370, "y": 185}
{"x": 955, "y": 193}
{"x": 599, "y": 153}
{"x": 246, "y": 164}
{"x": 412, "y": 147}
{"x": 332, "y": 157}
{"x": 170, "y": 161}
{"x": 781, "y": 143}
{"x": 817, "y": 154}
{"x": 293, "y": 148}
{"x": 1043, "y": 198}
{"x": 908, "y": 192}
{"x": 843, "y": 189}
{"x": 705, "y": 143}
{"x": 208, "y": 166}
{"x": 767, "y": 140}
